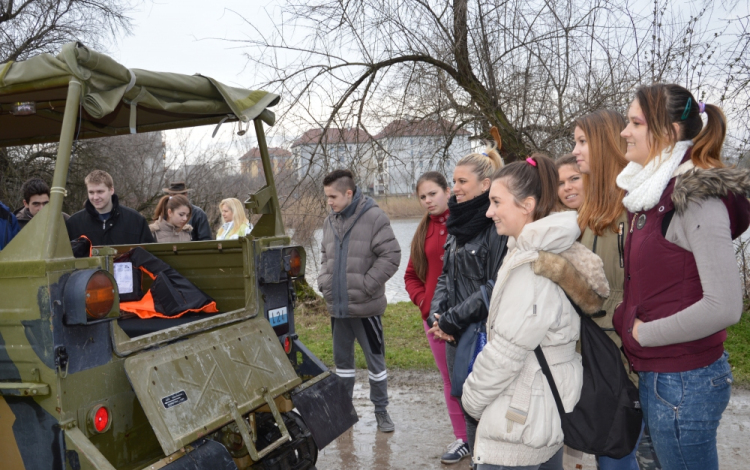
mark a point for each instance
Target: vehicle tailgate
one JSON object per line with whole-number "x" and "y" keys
{"x": 187, "y": 388}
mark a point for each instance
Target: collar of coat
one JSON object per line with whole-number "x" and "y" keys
{"x": 365, "y": 203}
{"x": 697, "y": 185}
{"x": 161, "y": 224}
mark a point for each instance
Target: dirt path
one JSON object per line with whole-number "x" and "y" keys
{"x": 423, "y": 431}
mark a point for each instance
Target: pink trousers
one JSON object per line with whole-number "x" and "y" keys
{"x": 454, "y": 407}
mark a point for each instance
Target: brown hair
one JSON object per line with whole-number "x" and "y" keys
{"x": 602, "y": 202}
{"x": 341, "y": 180}
{"x": 567, "y": 159}
{"x": 663, "y": 105}
{"x": 483, "y": 164}
{"x": 538, "y": 180}
{"x": 418, "y": 256}
{"x": 171, "y": 203}
{"x": 99, "y": 177}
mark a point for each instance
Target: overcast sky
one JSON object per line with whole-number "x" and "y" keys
{"x": 186, "y": 36}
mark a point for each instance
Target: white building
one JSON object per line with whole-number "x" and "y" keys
{"x": 315, "y": 154}
{"x": 409, "y": 148}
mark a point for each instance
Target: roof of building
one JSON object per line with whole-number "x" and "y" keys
{"x": 273, "y": 152}
{"x": 421, "y": 128}
{"x": 333, "y": 136}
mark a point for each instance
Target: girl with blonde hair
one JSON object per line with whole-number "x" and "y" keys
{"x": 235, "y": 222}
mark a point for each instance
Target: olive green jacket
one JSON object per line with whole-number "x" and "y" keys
{"x": 611, "y": 249}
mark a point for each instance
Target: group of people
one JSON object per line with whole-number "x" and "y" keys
{"x": 105, "y": 222}
{"x": 643, "y": 211}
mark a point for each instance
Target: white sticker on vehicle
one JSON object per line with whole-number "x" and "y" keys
{"x": 277, "y": 316}
{"x": 124, "y": 277}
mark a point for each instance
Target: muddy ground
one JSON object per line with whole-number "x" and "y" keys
{"x": 423, "y": 430}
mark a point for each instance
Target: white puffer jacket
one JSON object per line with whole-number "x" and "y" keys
{"x": 519, "y": 422}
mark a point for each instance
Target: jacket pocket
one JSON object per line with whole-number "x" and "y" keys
{"x": 472, "y": 260}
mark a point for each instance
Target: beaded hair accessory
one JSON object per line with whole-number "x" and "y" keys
{"x": 531, "y": 161}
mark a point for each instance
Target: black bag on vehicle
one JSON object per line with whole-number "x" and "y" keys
{"x": 607, "y": 419}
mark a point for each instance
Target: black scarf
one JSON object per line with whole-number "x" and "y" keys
{"x": 468, "y": 219}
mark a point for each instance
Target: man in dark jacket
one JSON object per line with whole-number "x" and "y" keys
{"x": 8, "y": 225}
{"x": 359, "y": 254}
{"x": 103, "y": 220}
{"x": 198, "y": 219}
{"x": 35, "y": 197}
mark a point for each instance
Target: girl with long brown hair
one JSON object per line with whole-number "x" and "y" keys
{"x": 682, "y": 288}
{"x": 170, "y": 220}
{"x": 422, "y": 273}
{"x": 600, "y": 154}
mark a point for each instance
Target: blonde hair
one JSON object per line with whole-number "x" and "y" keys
{"x": 238, "y": 210}
{"x": 99, "y": 177}
{"x": 483, "y": 164}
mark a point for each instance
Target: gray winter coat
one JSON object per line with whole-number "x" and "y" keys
{"x": 359, "y": 254}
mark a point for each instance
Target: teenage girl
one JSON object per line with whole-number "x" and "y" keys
{"x": 682, "y": 287}
{"x": 570, "y": 182}
{"x": 519, "y": 425}
{"x": 474, "y": 253}
{"x": 425, "y": 266}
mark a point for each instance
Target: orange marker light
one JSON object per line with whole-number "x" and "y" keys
{"x": 100, "y": 295}
{"x": 101, "y": 419}
{"x": 295, "y": 263}
{"x": 287, "y": 345}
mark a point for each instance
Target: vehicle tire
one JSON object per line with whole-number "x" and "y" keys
{"x": 300, "y": 453}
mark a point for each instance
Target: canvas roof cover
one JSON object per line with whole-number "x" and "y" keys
{"x": 116, "y": 100}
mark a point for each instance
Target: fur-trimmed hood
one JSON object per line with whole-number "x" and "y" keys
{"x": 732, "y": 185}
{"x": 579, "y": 272}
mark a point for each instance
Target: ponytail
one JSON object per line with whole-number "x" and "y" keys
{"x": 534, "y": 177}
{"x": 707, "y": 144}
{"x": 483, "y": 164}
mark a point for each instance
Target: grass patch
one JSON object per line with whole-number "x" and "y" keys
{"x": 406, "y": 345}
{"x": 738, "y": 347}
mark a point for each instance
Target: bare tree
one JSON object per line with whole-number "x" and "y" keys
{"x": 29, "y": 27}
{"x": 528, "y": 67}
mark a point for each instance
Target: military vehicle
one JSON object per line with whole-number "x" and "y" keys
{"x": 84, "y": 387}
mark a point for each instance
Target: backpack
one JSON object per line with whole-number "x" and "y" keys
{"x": 607, "y": 419}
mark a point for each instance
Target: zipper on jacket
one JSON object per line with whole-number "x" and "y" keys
{"x": 621, "y": 244}
{"x": 632, "y": 222}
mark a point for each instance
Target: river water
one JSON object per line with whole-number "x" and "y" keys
{"x": 395, "y": 289}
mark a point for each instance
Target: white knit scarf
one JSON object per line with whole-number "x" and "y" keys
{"x": 645, "y": 184}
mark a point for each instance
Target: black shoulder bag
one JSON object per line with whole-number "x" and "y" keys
{"x": 607, "y": 419}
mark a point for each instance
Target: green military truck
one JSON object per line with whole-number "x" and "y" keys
{"x": 82, "y": 386}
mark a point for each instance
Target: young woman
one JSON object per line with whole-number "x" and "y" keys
{"x": 474, "y": 253}
{"x": 570, "y": 185}
{"x": 600, "y": 154}
{"x": 425, "y": 266}
{"x": 519, "y": 425}
{"x": 170, "y": 220}
{"x": 235, "y": 222}
{"x": 682, "y": 287}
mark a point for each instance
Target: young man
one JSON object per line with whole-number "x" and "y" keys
{"x": 35, "y": 197}
{"x": 198, "y": 219}
{"x": 103, "y": 220}
{"x": 359, "y": 254}
{"x": 8, "y": 225}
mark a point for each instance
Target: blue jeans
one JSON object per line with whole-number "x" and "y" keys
{"x": 682, "y": 411}
{"x": 629, "y": 462}
{"x": 554, "y": 463}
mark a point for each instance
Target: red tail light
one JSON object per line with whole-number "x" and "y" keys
{"x": 295, "y": 263}
{"x": 101, "y": 419}
{"x": 287, "y": 345}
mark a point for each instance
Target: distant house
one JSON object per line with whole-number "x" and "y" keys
{"x": 316, "y": 153}
{"x": 251, "y": 165}
{"x": 410, "y": 147}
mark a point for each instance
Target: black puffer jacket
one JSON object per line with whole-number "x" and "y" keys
{"x": 458, "y": 298}
{"x": 124, "y": 226}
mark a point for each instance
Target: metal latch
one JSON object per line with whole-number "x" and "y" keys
{"x": 61, "y": 361}
{"x": 245, "y": 430}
